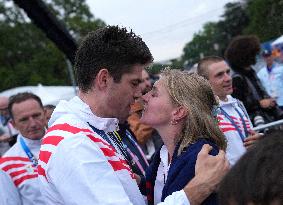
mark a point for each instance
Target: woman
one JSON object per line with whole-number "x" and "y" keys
{"x": 179, "y": 107}
{"x": 241, "y": 54}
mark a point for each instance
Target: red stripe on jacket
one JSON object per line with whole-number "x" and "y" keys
{"x": 52, "y": 140}
{"x": 68, "y": 128}
{"x": 17, "y": 182}
{"x": 6, "y": 159}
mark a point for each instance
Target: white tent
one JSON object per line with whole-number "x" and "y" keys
{"x": 277, "y": 41}
{"x": 48, "y": 94}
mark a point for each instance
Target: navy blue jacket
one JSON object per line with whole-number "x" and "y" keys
{"x": 182, "y": 170}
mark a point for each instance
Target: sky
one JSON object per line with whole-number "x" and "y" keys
{"x": 165, "y": 25}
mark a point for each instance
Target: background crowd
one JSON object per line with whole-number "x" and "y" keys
{"x": 132, "y": 135}
{"x": 147, "y": 139}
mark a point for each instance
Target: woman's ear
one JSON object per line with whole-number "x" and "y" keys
{"x": 179, "y": 113}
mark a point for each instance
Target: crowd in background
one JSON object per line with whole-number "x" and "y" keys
{"x": 149, "y": 136}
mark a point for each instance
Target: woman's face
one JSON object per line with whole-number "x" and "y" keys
{"x": 158, "y": 108}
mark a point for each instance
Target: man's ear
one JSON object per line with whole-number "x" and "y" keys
{"x": 102, "y": 79}
{"x": 179, "y": 113}
{"x": 12, "y": 121}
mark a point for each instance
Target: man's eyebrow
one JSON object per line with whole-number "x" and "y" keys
{"x": 137, "y": 80}
{"x": 220, "y": 73}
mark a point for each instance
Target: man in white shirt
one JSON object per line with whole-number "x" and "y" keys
{"x": 81, "y": 161}
{"x": 271, "y": 77}
{"x": 20, "y": 162}
{"x": 232, "y": 117}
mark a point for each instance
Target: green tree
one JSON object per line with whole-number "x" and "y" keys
{"x": 155, "y": 68}
{"x": 203, "y": 44}
{"x": 27, "y": 57}
{"x": 265, "y": 18}
{"x": 215, "y": 36}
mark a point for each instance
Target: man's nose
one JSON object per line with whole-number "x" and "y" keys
{"x": 32, "y": 122}
{"x": 138, "y": 92}
{"x": 227, "y": 77}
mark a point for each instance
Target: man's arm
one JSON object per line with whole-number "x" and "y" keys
{"x": 5, "y": 138}
{"x": 81, "y": 174}
{"x": 252, "y": 138}
{"x": 9, "y": 194}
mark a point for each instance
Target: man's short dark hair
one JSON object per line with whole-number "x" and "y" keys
{"x": 257, "y": 178}
{"x": 241, "y": 52}
{"x": 113, "y": 48}
{"x": 49, "y": 107}
{"x": 20, "y": 97}
{"x": 203, "y": 64}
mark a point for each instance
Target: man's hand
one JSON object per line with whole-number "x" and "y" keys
{"x": 209, "y": 171}
{"x": 267, "y": 103}
{"x": 5, "y": 138}
{"x": 251, "y": 139}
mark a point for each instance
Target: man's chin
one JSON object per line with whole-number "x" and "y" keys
{"x": 228, "y": 91}
{"x": 123, "y": 119}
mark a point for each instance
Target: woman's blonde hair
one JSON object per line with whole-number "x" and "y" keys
{"x": 194, "y": 93}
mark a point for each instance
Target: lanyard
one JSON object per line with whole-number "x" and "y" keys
{"x": 128, "y": 134}
{"x": 101, "y": 133}
{"x": 234, "y": 123}
{"x": 115, "y": 137}
{"x": 113, "y": 140}
{"x": 134, "y": 157}
{"x": 28, "y": 152}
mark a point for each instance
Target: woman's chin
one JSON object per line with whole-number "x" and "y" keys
{"x": 143, "y": 120}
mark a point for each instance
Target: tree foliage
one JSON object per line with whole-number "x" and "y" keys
{"x": 27, "y": 57}
{"x": 215, "y": 36}
{"x": 260, "y": 17}
{"x": 265, "y": 18}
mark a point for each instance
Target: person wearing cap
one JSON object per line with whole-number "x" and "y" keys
{"x": 7, "y": 130}
{"x": 271, "y": 77}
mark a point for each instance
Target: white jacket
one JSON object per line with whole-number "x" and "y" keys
{"x": 235, "y": 146}
{"x": 22, "y": 173}
{"x": 77, "y": 166}
{"x": 9, "y": 194}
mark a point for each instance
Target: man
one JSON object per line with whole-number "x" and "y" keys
{"x": 20, "y": 162}
{"x": 232, "y": 116}
{"x": 81, "y": 162}
{"x": 7, "y": 131}
{"x": 271, "y": 77}
{"x": 257, "y": 178}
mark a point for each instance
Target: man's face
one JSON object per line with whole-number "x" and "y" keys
{"x": 268, "y": 59}
{"x": 220, "y": 79}
{"x": 145, "y": 84}
{"x": 121, "y": 95}
{"x": 29, "y": 119}
{"x": 4, "y": 107}
{"x": 48, "y": 113}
